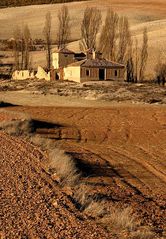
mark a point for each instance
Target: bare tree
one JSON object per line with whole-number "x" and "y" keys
{"x": 136, "y": 61}
{"x": 108, "y": 37}
{"x": 124, "y": 39}
{"x": 90, "y": 27}
{"x": 130, "y": 70}
{"x": 160, "y": 70}
{"x": 144, "y": 55}
{"x": 47, "y": 34}
{"x": 27, "y": 43}
{"x": 16, "y": 47}
{"x": 64, "y": 27}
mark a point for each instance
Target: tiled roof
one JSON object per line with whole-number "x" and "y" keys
{"x": 64, "y": 50}
{"x": 97, "y": 63}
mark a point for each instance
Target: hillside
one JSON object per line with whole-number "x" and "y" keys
{"x": 13, "y": 3}
{"x": 149, "y": 13}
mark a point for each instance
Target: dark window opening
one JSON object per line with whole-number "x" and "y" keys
{"x": 101, "y": 74}
{"x": 116, "y": 73}
{"x": 87, "y": 72}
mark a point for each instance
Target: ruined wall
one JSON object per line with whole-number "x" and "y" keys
{"x": 42, "y": 74}
{"x": 22, "y": 75}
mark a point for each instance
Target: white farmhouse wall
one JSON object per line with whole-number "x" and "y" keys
{"x": 62, "y": 59}
{"x": 72, "y": 73}
{"x": 55, "y": 60}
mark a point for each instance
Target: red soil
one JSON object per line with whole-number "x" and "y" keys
{"x": 121, "y": 152}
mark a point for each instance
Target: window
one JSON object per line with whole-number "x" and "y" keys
{"x": 87, "y": 72}
{"x": 116, "y": 73}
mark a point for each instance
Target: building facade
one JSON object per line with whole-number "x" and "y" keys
{"x": 94, "y": 70}
{"x": 80, "y": 67}
{"x": 62, "y": 57}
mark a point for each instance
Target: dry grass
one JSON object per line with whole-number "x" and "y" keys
{"x": 86, "y": 203}
{"x": 95, "y": 209}
{"x": 143, "y": 234}
{"x": 64, "y": 166}
{"x": 81, "y": 196}
{"x": 44, "y": 143}
{"x": 120, "y": 219}
{"x": 17, "y": 127}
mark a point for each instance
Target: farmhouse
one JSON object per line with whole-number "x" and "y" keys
{"x": 81, "y": 67}
{"x": 94, "y": 69}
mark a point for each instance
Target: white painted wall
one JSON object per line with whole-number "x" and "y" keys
{"x": 55, "y": 60}
{"x": 72, "y": 73}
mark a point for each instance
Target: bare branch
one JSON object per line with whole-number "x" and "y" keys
{"x": 90, "y": 27}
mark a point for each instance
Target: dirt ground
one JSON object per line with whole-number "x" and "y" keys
{"x": 120, "y": 150}
{"x": 32, "y": 204}
{"x": 65, "y": 93}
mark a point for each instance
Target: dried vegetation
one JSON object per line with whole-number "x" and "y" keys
{"x": 63, "y": 165}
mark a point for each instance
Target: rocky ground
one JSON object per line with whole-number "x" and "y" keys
{"x": 101, "y": 91}
{"x": 32, "y": 204}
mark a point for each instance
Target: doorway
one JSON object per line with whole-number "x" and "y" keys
{"x": 101, "y": 74}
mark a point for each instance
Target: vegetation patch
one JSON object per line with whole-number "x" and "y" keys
{"x": 17, "y": 127}
{"x": 63, "y": 165}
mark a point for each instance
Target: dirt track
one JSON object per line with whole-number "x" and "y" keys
{"x": 121, "y": 151}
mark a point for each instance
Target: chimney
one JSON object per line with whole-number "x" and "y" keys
{"x": 89, "y": 54}
{"x": 96, "y": 55}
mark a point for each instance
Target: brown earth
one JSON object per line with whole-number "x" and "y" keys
{"x": 120, "y": 150}
{"x": 32, "y": 204}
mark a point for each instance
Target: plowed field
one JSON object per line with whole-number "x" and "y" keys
{"x": 28, "y": 196}
{"x": 120, "y": 150}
